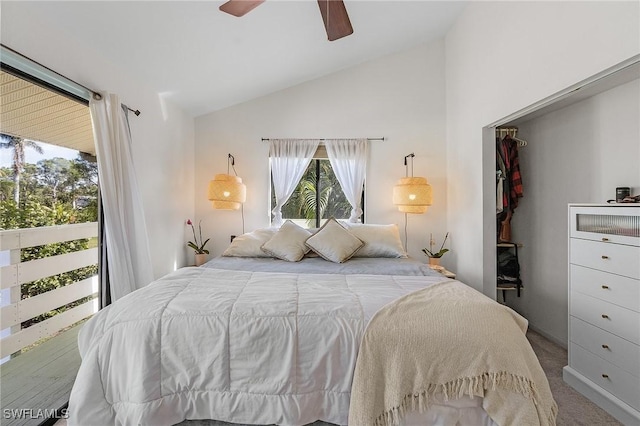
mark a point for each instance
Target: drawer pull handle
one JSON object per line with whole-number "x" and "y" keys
{"x": 605, "y": 316}
{"x": 605, "y": 239}
{"x": 605, "y": 346}
{"x": 605, "y": 376}
{"x": 605, "y": 257}
{"x": 606, "y": 287}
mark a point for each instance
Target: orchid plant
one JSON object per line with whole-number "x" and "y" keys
{"x": 198, "y": 246}
{"x": 429, "y": 252}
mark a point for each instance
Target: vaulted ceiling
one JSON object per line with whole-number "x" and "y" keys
{"x": 204, "y": 60}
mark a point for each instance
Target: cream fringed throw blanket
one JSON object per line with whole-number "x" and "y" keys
{"x": 447, "y": 341}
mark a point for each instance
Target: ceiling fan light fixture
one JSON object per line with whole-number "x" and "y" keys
{"x": 336, "y": 19}
{"x": 240, "y": 8}
{"x": 334, "y": 15}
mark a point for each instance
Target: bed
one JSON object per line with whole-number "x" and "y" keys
{"x": 259, "y": 340}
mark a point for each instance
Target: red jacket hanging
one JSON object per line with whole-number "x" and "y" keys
{"x": 509, "y": 152}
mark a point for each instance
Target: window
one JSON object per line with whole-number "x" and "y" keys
{"x": 48, "y": 207}
{"x": 318, "y": 195}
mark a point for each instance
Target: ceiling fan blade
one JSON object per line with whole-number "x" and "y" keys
{"x": 240, "y": 7}
{"x": 335, "y": 17}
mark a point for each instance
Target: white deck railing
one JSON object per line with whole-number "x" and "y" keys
{"x": 16, "y": 273}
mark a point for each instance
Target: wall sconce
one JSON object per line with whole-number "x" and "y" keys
{"x": 227, "y": 192}
{"x": 412, "y": 194}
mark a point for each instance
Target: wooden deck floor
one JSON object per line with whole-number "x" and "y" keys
{"x": 39, "y": 379}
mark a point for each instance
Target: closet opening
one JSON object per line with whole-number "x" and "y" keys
{"x": 575, "y": 139}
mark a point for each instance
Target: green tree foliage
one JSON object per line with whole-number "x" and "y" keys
{"x": 33, "y": 214}
{"x": 6, "y": 184}
{"x": 337, "y": 204}
{"x": 52, "y": 173}
{"x": 303, "y": 203}
{"x": 52, "y": 192}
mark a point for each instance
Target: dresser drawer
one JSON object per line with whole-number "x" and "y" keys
{"x": 618, "y": 224}
{"x": 606, "y": 375}
{"x": 619, "y": 290}
{"x": 620, "y": 321}
{"x": 616, "y": 350}
{"x": 616, "y": 258}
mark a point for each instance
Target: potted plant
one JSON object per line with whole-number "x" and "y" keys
{"x": 198, "y": 246}
{"x": 434, "y": 257}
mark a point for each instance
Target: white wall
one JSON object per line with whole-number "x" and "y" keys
{"x": 501, "y": 57}
{"x": 578, "y": 154}
{"x": 163, "y": 137}
{"x": 400, "y": 97}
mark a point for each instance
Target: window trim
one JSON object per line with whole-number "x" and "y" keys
{"x": 20, "y": 66}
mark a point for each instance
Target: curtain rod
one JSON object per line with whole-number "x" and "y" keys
{"x": 324, "y": 139}
{"x": 96, "y": 95}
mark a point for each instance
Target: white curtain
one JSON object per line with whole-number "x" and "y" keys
{"x": 289, "y": 160}
{"x": 125, "y": 230}
{"x": 348, "y": 159}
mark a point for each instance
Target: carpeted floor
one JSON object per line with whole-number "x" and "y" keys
{"x": 573, "y": 408}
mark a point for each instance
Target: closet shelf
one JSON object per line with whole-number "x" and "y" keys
{"x": 519, "y": 245}
{"x": 507, "y": 287}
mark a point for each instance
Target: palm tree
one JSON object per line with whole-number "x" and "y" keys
{"x": 18, "y": 144}
{"x": 309, "y": 197}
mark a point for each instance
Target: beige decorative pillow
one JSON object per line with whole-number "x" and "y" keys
{"x": 379, "y": 240}
{"x": 288, "y": 243}
{"x": 333, "y": 242}
{"x": 248, "y": 245}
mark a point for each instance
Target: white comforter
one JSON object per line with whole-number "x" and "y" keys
{"x": 243, "y": 347}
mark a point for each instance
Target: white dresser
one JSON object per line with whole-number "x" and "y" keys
{"x": 604, "y": 307}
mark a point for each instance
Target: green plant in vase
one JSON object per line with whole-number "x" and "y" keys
{"x": 198, "y": 246}
{"x": 434, "y": 256}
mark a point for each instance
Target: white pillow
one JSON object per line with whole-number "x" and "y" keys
{"x": 379, "y": 240}
{"x": 333, "y": 242}
{"x": 288, "y": 242}
{"x": 248, "y": 245}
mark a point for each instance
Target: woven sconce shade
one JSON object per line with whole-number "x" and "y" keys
{"x": 227, "y": 192}
{"x": 412, "y": 195}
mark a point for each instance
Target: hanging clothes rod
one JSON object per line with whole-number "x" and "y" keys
{"x": 324, "y": 139}
{"x": 97, "y": 96}
{"x": 510, "y": 131}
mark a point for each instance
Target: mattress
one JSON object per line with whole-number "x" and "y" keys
{"x": 232, "y": 345}
{"x": 317, "y": 265}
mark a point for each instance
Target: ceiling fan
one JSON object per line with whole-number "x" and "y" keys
{"x": 334, "y": 14}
